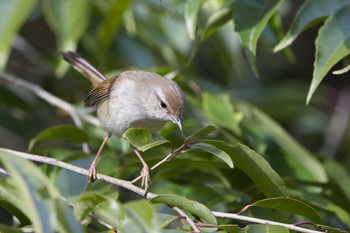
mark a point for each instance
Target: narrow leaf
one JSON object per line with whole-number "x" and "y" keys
{"x": 332, "y": 44}
{"x": 192, "y": 207}
{"x": 256, "y": 167}
{"x": 290, "y": 205}
{"x": 13, "y": 15}
{"x": 68, "y": 20}
{"x": 192, "y": 8}
{"x": 309, "y": 167}
{"x": 308, "y": 15}
{"x": 143, "y": 139}
{"x": 219, "y": 109}
{"x": 215, "y": 151}
{"x": 201, "y": 133}
{"x": 142, "y": 214}
{"x": 250, "y": 18}
{"x": 111, "y": 22}
{"x": 35, "y": 196}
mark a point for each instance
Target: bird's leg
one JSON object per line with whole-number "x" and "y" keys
{"x": 92, "y": 169}
{"x": 144, "y": 172}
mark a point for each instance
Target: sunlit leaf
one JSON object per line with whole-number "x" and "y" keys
{"x": 308, "y": 15}
{"x": 332, "y": 44}
{"x": 201, "y": 133}
{"x": 219, "y": 109}
{"x": 255, "y": 228}
{"x": 192, "y": 207}
{"x": 13, "y": 15}
{"x": 68, "y": 20}
{"x": 250, "y": 18}
{"x": 143, "y": 139}
{"x": 256, "y": 167}
{"x": 290, "y": 205}
{"x": 192, "y": 8}
{"x": 29, "y": 190}
{"x": 215, "y": 151}
{"x": 66, "y": 133}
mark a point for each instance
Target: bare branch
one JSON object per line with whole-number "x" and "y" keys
{"x": 263, "y": 221}
{"x": 49, "y": 98}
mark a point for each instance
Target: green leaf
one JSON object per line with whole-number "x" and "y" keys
{"x": 219, "y": 109}
{"x": 339, "y": 175}
{"x": 308, "y": 166}
{"x": 256, "y": 167}
{"x": 215, "y": 151}
{"x": 68, "y": 20}
{"x": 254, "y": 228}
{"x": 13, "y": 15}
{"x": 201, "y": 133}
{"x": 308, "y": 15}
{"x": 30, "y": 191}
{"x": 192, "y": 207}
{"x": 143, "y": 214}
{"x": 250, "y": 18}
{"x": 216, "y": 20}
{"x": 290, "y": 205}
{"x": 111, "y": 22}
{"x": 143, "y": 139}
{"x": 332, "y": 44}
{"x": 192, "y": 8}
{"x": 67, "y": 133}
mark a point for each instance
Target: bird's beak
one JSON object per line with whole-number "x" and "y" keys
{"x": 177, "y": 121}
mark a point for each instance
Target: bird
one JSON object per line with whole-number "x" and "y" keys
{"x": 132, "y": 99}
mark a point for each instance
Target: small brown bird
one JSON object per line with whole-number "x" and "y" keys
{"x": 133, "y": 99}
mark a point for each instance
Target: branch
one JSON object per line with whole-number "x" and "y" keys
{"x": 82, "y": 171}
{"x": 129, "y": 186}
{"x": 49, "y": 98}
{"x": 264, "y": 222}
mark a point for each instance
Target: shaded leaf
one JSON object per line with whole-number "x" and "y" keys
{"x": 309, "y": 167}
{"x": 332, "y": 44}
{"x": 66, "y": 133}
{"x": 250, "y": 18}
{"x": 215, "y": 151}
{"x": 192, "y": 207}
{"x": 143, "y": 139}
{"x": 308, "y": 15}
{"x": 339, "y": 175}
{"x": 290, "y": 205}
{"x": 13, "y": 15}
{"x": 256, "y": 167}
{"x": 111, "y": 22}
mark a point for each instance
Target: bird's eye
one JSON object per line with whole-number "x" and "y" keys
{"x": 163, "y": 105}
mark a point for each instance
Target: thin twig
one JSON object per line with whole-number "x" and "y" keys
{"x": 53, "y": 100}
{"x": 169, "y": 157}
{"x": 263, "y": 221}
{"x": 188, "y": 219}
{"x": 49, "y": 98}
